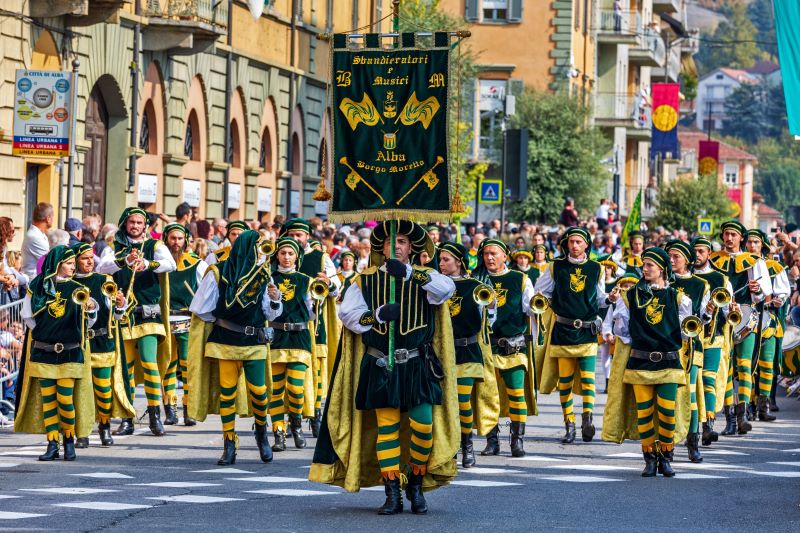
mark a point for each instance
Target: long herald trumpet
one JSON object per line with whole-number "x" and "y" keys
{"x": 483, "y": 295}
{"x": 691, "y": 326}
{"x": 266, "y": 247}
{"x": 319, "y": 289}
{"x": 80, "y": 296}
{"x": 734, "y": 318}
{"x": 539, "y": 303}
{"x": 721, "y": 297}
{"x": 109, "y": 289}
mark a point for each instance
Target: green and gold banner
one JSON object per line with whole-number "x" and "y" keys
{"x": 389, "y": 112}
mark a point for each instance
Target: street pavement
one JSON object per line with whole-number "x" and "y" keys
{"x": 147, "y": 483}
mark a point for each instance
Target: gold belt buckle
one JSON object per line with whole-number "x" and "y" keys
{"x": 656, "y": 357}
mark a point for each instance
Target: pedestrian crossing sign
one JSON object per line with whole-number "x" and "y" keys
{"x": 705, "y": 226}
{"x": 490, "y": 192}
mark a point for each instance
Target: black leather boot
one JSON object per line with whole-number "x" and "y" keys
{"x": 664, "y": 466}
{"x": 262, "y": 441}
{"x": 773, "y": 406}
{"x": 569, "y": 435}
{"x": 170, "y": 414}
{"x": 467, "y": 450}
{"x": 741, "y": 419}
{"x": 154, "y": 413}
{"x": 69, "y": 448}
{"x": 751, "y": 411}
{"x": 492, "y": 442}
{"x": 51, "y": 453}
{"x": 125, "y": 427}
{"x": 730, "y": 421}
{"x": 587, "y": 427}
{"x": 709, "y": 435}
{"x": 105, "y": 434}
{"x": 280, "y": 440}
{"x": 394, "y": 499}
{"x": 763, "y": 410}
{"x": 82, "y": 442}
{"x": 296, "y": 427}
{"x": 415, "y": 495}
{"x": 187, "y": 420}
{"x": 694, "y": 450}
{"x": 228, "y": 456}
{"x": 650, "y": 464}
{"x": 517, "y": 444}
{"x": 315, "y": 423}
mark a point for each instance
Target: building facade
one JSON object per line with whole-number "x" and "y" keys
{"x": 204, "y": 68}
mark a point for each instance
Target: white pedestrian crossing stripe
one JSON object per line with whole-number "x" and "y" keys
{"x": 103, "y": 506}
{"x": 581, "y": 479}
{"x": 70, "y": 490}
{"x": 194, "y": 498}
{"x": 690, "y": 475}
{"x": 176, "y": 484}
{"x": 104, "y": 475}
{"x": 483, "y": 483}
{"x": 6, "y": 515}
{"x": 592, "y": 468}
{"x": 269, "y": 479}
{"x": 223, "y": 471}
{"x": 292, "y": 492}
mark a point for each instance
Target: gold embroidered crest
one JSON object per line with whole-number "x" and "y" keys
{"x": 501, "y": 294}
{"x": 57, "y": 307}
{"x": 287, "y": 290}
{"x": 577, "y": 281}
{"x": 454, "y": 304}
{"x": 654, "y": 312}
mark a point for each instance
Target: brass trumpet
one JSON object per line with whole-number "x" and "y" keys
{"x": 734, "y": 318}
{"x": 720, "y": 296}
{"x": 266, "y": 248}
{"x": 80, "y": 296}
{"x": 109, "y": 289}
{"x": 319, "y": 289}
{"x": 691, "y": 326}
{"x": 483, "y": 295}
{"x": 539, "y": 303}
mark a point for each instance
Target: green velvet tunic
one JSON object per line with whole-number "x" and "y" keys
{"x": 294, "y": 288}
{"x": 252, "y": 315}
{"x": 60, "y": 321}
{"x": 467, "y": 319}
{"x": 574, "y": 297}
{"x": 715, "y": 280}
{"x": 101, "y": 345}
{"x": 146, "y": 287}
{"x": 654, "y": 327}
{"x": 314, "y": 263}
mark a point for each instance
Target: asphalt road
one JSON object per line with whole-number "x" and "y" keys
{"x": 147, "y": 483}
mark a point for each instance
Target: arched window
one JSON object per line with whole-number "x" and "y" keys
{"x": 265, "y": 151}
{"x": 234, "y": 156}
{"x": 191, "y": 139}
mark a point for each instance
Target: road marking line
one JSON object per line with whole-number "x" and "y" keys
{"x": 581, "y": 479}
{"x": 483, "y": 483}
{"x": 776, "y": 474}
{"x": 486, "y": 470}
{"x": 195, "y": 498}
{"x": 292, "y": 492}
{"x": 269, "y": 479}
{"x": 592, "y": 468}
{"x": 6, "y": 515}
{"x": 104, "y": 475}
{"x": 176, "y": 484}
{"x": 71, "y": 490}
{"x": 103, "y": 506}
{"x": 223, "y": 471}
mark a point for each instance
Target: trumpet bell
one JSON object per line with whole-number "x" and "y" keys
{"x": 80, "y": 296}
{"x": 483, "y": 295}
{"x": 539, "y": 304}
{"x": 691, "y": 326}
{"x": 721, "y": 297}
{"x": 266, "y": 247}
{"x": 319, "y": 289}
{"x": 734, "y": 318}
{"x": 109, "y": 289}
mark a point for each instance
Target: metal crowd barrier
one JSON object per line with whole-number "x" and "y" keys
{"x": 12, "y": 334}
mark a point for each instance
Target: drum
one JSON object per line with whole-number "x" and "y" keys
{"x": 791, "y": 338}
{"x": 179, "y": 324}
{"x": 747, "y": 325}
{"x": 790, "y": 358}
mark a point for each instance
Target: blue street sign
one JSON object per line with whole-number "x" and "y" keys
{"x": 490, "y": 192}
{"x": 705, "y": 226}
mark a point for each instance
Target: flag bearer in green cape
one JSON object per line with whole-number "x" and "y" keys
{"x": 183, "y": 283}
{"x": 472, "y": 314}
{"x": 292, "y": 349}
{"x": 751, "y": 283}
{"x": 234, "y": 229}
{"x": 140, "y": 266}
{"x": 109, "y": 368}
{"x": 681, "y": 257}
{"x": 647, "y": 358}
{"x": 54, "y": 388}
{"x": 228, "y": 352}
{"x": 771, "y": 327}
{"x": 409, "y": 413}
{"x": 576, "y": 290}
{"x": 716, "y": 340}
{"x": 317, "y": 264}
{"x": 511, "y": 342}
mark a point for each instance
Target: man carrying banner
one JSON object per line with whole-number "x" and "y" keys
{"x": 575, "y": 288}
{"x": 139, "y": 266}
{"x": 317, "y": 264}
{"x": 183, "y": 283}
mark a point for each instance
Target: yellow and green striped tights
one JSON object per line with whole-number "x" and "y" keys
{"x": 287, "y": 382}
{"x": 254, "y": 374}
{"x": 567, "y": 366}
{"x": 648, "y": 397}
{"x": 148, "y": 355}
{"x": 387, "y": 447}
{"x": 57, "y": 407}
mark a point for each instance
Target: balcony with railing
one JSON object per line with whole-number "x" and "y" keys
{"x": 672, "y": 70}
{"x": 80, "y": 12}
{"x": 649, "y": 51}
{"x": 619, "y": 27}
{"x": 621, "y": 110}
{"x": 667, "y": 6}
{"x": 184, "y": 26}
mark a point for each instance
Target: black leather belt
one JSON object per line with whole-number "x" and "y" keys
{"x": 57, "y": 347}
{"x": 92, "y": 333}
{"x": 232, "y": 326}
{"x": 466, "y": 341}
{"x": 654, "y": 357}
{"x": 289, "y": 326}
{"x": 511, "y": 345}
{"x": 577, "y": 323}
{"x": 148, "y": 311}
{"x": 401, "y": 356}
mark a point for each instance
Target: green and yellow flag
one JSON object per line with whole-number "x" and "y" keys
{"x": 634, "y": 222}
{"x": 390, "y": 130}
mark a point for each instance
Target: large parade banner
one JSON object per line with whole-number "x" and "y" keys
{"x": 787, "y": 29}
{"x": 390, "y": 131}
{"x": 666, "y": 112}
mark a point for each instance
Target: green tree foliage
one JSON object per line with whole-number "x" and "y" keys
{"x": 732, "y": 44}
{"x": 754, "y": 111}
{"x": 563, "y": 155}
{"x": 763, "y": 18}
{"x": 778, "y": 176}
{"x": 681, "y": 201}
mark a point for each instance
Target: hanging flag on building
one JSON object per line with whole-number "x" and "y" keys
{"x": 390, "y": 130}
{"x": 708, "y": 158}
{"x": 257, "y": 7}
{"x": 634, "y": 222}
{"x": 787, "y": 27}
{"x": 666, "y": 109}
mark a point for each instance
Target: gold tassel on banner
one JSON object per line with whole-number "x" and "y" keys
{"x": 457, "y": 206}
{"x": 322, "y": 194}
